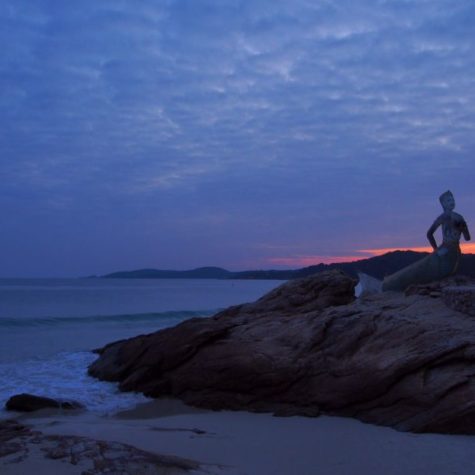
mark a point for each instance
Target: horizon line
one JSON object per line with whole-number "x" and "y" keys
{"x": 288, "y": 262}
{"x": 306, "y": 261}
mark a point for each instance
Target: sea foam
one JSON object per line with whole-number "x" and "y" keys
{"x": 63, "y": 376}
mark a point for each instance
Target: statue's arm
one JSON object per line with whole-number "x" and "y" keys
{"x": 465, "y": 231}
{"x": 430, "y": 234}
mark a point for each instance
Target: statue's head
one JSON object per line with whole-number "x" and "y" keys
{"x": 447, "y": 201}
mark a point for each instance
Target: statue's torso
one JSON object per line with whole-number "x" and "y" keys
{"x": 452, "y": 227}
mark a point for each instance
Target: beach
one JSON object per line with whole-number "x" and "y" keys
{"x": 235, "y": 237}
{"x": 246, "y": 443}
{"x": 129, "y": 433}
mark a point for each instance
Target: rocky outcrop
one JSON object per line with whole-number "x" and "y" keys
{"x": 19, "y": 443}
{"x": 29, "y": 403}
{"x": 461, "y": 299}
{"x": 406, "y": 361}
{"x": 457, "y": 292}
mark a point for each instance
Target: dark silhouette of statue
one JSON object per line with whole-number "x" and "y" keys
{"x": 442, "y": 263}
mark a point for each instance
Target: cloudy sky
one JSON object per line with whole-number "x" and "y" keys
{"x": 238, "y": 133}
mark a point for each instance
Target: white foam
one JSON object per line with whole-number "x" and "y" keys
{"x": 64, "y": 376}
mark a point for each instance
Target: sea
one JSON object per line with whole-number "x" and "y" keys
{"x": 50, "y": 327}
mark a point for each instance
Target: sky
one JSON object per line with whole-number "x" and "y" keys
{"x": 246, "y": 134}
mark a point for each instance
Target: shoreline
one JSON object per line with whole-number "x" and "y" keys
{"x": 247, "y": 443}
{"x": 168, "y": 436}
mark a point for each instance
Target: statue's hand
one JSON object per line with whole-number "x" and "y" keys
{"x": 442, "y": 251}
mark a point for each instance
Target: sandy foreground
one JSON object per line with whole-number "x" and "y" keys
{"x": 232, "y": 443}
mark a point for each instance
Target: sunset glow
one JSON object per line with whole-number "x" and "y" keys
{"x": 304, "y": 261}
{"x": 467, "y": 248}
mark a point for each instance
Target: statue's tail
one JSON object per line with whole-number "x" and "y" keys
{"x": 368, "y": 285}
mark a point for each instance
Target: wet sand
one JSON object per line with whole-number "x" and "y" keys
{"x": 244, "y": 443}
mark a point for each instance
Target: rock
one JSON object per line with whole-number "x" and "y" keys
{"x": 84, "y": 455}
{"x": 457, "y": 292}
{"x": 437, "y": 287}
{"x": 460, "y": 298}
{"x": 29, "y": 403}
{"x": 307, "y": 347}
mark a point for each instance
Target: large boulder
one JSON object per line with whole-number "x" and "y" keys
{"x": 407, "y": 361}
{"x": 29, "y": 402}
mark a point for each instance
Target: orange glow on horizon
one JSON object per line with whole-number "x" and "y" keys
{"x": 304, "y": 261}
{"x": 384, "y": 250}
{"x": 311, "y": 260}
{"x": 467, "y": 248}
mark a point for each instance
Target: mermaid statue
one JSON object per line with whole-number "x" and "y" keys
{"x": 441, "y": 263}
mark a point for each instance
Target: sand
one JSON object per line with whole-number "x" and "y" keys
{"x": 232, "y": 443}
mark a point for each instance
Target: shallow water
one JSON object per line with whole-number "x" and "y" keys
{"x": 48, "y": 328}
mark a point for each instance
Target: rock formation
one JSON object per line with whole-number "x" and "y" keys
{"x": 18, "y": 443}
{"x": 29, "y": 403}
{"x": 309, "y": 347}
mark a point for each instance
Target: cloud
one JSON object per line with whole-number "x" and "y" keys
{"x": 255, "y": 106}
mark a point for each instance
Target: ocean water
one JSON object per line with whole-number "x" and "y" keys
{"x": 49, "y": 327}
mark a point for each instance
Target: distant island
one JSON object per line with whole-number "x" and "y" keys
{"x": 378, "y": 267}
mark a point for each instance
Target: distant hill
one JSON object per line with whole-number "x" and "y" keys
{"x": 200, "y": 273}
{"x": 378, "y": 267}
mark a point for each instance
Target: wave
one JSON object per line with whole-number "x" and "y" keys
{"x": 122, "y": 318}
{"x": 63, "y": 374}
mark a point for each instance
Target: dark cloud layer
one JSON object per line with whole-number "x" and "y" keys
{"x": 182, "y": 133}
